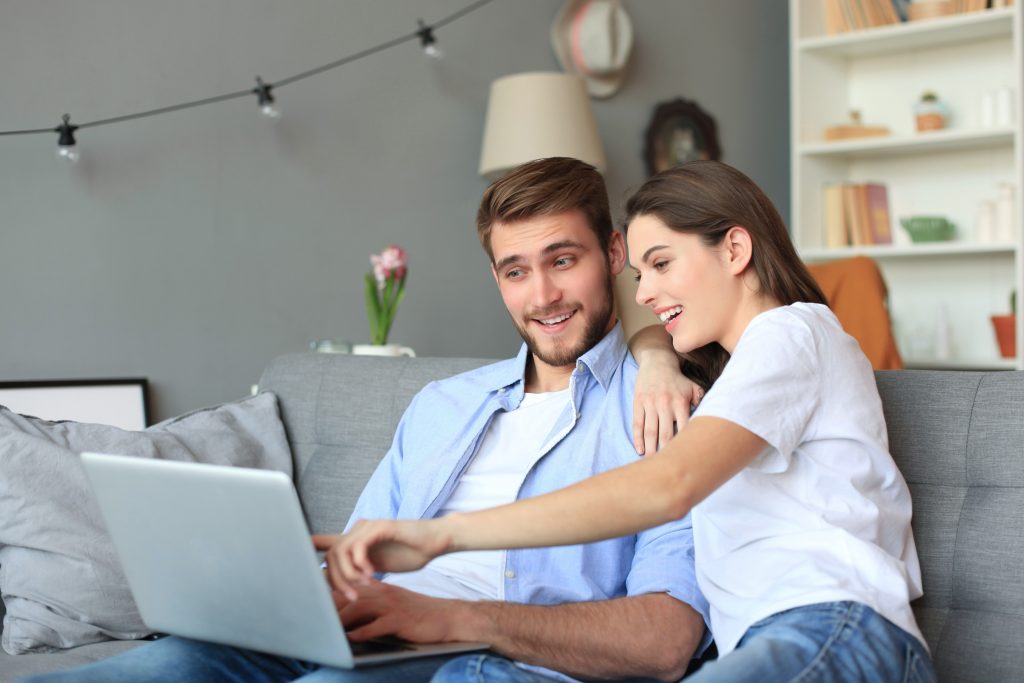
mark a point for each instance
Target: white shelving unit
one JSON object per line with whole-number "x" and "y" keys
{"x": 881, "y": 72}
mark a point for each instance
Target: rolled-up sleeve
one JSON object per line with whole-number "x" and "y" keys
{"x": 663, "y": 562}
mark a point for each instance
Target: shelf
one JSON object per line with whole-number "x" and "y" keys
{"x": 964, "y": 57}
{"x": 906, "y": 37}
{"x": 937, "y": 141}
{"x": 886, "y": 251}
{"x": 960, "y": 363}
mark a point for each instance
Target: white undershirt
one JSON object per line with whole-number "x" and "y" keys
{"x": 511, "y": 446}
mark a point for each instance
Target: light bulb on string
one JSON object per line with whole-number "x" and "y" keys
{"x": 428, "y": 42}
{"x": 67, "y": 149}
{"x": 266, "y": 100}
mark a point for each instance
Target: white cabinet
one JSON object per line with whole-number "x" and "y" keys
{"x": 881, "y": 72}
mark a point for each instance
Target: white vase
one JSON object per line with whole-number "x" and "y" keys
{"x": 382, "y": 350}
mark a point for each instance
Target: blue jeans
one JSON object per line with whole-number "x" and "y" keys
{"x": 178, "y": 660}
{"x": 491, "y": 668}
{"x": 833, "y": 642}
{"x": 479, "y": 668}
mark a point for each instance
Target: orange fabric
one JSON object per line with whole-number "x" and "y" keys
{"x": 856, "y": 293}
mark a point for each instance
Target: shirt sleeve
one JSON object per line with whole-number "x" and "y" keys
{"x": 663, "y": 562}
{"x": 382, "y": 494}
{"x": 770, "y": 386}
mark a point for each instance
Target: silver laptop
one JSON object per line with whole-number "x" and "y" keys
{"x": 222, "y": 554}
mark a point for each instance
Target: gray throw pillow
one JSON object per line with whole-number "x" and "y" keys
{"x": 60, "y": 578}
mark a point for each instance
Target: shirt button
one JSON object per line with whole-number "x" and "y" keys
{"x": 509, "y": 574}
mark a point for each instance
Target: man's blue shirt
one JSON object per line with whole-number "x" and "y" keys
{"x": 442, "y": 429}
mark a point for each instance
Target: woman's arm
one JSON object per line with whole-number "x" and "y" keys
{"x": 663, "y": 396}
{"x": 616, "y": 503}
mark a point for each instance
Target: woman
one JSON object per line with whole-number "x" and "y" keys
{"x": 801, "y": 519}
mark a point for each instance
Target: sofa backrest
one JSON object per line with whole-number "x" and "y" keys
{"x": 958, "y": 438}
{"x": 340, "y": 413}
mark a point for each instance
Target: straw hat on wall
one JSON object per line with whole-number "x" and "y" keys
{"x": 593, "y": 38}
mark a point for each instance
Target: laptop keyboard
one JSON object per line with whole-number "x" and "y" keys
{"x": 379, "y": 646}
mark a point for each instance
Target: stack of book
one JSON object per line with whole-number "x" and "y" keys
{"x": 854, "y": 15}
{"x": 856, "y": 214}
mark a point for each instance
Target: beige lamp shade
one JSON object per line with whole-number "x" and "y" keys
{"x": 537, "y": 115}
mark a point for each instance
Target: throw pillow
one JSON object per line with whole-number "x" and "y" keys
{"x": 60, "y": 578}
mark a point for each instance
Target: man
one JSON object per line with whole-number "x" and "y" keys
{"x": 559, "y": 412}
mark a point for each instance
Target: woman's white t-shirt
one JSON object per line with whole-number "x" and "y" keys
{"x": 822, "y": 514}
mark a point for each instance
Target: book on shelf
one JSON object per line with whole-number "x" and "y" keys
{"x": 856, "y": 214}
{"x": 855, "y": 211}
{"x": 878, "y": 213}
{"x": 855, "y": 15}
{"x": 837, "y": 232}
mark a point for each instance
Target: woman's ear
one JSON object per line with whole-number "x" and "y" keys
{"x": 739, "y": 249}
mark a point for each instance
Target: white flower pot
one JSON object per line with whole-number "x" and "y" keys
{"x": 382, "y": 350}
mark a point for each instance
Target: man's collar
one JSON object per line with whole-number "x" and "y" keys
{"x": 602, "y": 360}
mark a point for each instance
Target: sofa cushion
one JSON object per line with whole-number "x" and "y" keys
{"x": 60, "y": 579}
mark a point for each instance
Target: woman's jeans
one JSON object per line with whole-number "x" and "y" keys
{"x": 829, "y": 642}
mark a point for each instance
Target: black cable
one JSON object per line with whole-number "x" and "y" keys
{"x": 345, "y": 60}
{"x": 246, "y": 93}
{"x": 462, "y": 12}
{"x": 164, "y": 110}
{"x": 28, "y": 132}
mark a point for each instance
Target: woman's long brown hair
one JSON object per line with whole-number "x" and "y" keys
{"x": 707, "y": 198}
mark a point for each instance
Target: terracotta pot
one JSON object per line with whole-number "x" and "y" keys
{"x": 1006, "y": 334}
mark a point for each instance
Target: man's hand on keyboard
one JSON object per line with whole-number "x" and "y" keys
{"x": 385, "y": 610}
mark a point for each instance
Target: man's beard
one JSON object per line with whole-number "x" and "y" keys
{"x": 595, "y": 327}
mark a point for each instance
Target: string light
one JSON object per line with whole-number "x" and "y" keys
{"x": 266, "y": 100}
{"x": 428, "y": 42}
{"x": 67, "y": 148}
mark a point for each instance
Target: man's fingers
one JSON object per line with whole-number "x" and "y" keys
{"x": 375, "y": 629}
{"x": 341, "y": 603}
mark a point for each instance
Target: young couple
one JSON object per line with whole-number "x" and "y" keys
{"x": 563, "y": 550}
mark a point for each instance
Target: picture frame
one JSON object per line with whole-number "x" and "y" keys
{"x": 679, "y": 131}
{"x": 119, "y": 402}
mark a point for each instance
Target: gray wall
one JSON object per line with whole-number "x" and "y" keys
{"x": 193, "y": 247}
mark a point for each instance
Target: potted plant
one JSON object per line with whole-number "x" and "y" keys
{"x": 385, "y": 288}
{"x": 1006, "y": 329}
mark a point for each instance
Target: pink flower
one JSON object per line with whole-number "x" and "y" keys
{"x": 379, "y": 273}
{"x": 391, "y": 260}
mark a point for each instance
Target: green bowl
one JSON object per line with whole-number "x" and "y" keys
{"x": 928, "y": 228}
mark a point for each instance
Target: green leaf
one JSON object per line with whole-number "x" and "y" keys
{"x": 372, "y": 306}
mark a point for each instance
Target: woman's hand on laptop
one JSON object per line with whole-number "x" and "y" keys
{"x": 379, "y": 545}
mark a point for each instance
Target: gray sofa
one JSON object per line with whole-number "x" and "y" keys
{"x": 958, "y": 437}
